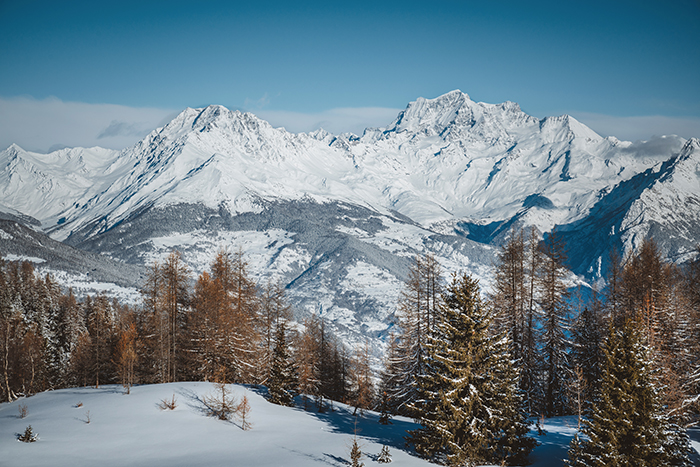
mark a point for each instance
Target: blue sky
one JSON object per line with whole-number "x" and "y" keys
{"x": 113, "y": 70}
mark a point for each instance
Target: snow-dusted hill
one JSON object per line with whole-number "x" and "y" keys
{"x": 337, "y": 218}
{"x": 132, "y": 430}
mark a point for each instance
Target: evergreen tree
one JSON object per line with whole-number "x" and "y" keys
{"x": 418, "y": 310}
{"x": 282, "y": 382}
{"x": 587, "y": 351}
{"x": 384, "y": 409}
{"x": 516, "y": 309}
{"x": 392, "y": 382}
{"x": 554, "y": 316}
{"x": 654, "y": 298}
{"x": 273, "y": 309}
{"x": 355, "y": 454}
{"x": 384, "y": 455}
{"x": 472, "y": 410}
{"x": 626, "y": 426}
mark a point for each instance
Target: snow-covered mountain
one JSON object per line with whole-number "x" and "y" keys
{"x": 338, "y": 217}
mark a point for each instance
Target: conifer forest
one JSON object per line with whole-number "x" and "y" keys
{"x": 475, "y": 369}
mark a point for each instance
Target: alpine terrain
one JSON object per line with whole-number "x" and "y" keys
{"x": 338, "y": 218}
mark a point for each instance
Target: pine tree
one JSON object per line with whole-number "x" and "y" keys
{"x": 384, "y": 455}
{"x": 29, "y": 436}
{"x": 516, "y": 309}
{"x": 418, "y": 309}
{"x": 626, "y": 426}
{"x": 555, "y": 326}
{"x": 274, "y": 308}
{"x": 472, "y": 410}
{"x": 68, "y": 326}
{"x": 282, "y": 381}
{"x": 384, "y": 409}
{"x": 355, "y": 454}
{"x": 392, "y": 382}
{"x": 587, "y": 351}
{"x": 654, "y": 297}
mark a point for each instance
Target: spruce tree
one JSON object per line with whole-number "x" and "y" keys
{"x": 516, "y": 309}
{"x": 554, "y": 323}
{"x": 587, "y": 352}
{"x": 472, "y": 410}
{"x": 282, "y": 381}
{"x": 626, "y": 426}
{"x": 418, "y": 310}
{"x": 384, "y": 409}
{"x": 384, "y": 456}
{"x": 355, "y": 454}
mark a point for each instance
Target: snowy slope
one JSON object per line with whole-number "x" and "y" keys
{"x": 337, "y": 218}
{"x": 132, "y": 430}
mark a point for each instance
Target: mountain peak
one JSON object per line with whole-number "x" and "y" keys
{"x": 566, "y": 127}
{"x": 431, "y": 115}
{"x": 691, "y": 145}
{"x": 13, "y": 150}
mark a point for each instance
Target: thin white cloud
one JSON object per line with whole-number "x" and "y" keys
{"x": 46, "y": 124}
{"x": 336, "y": 121}
{"x": 640, "y": 128}
{"x": 43, "y": 125}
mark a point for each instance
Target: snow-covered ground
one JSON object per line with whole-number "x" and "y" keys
{"x": 132, "y": 430}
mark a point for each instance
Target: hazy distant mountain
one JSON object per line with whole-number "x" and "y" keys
{"x": 338, "y": 217}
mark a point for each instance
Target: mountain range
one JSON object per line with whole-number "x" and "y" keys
{"x": 338, "y": 218}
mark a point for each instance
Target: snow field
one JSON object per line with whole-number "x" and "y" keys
{"x": 132, "y": 430}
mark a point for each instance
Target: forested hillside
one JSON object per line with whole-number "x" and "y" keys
{"x": 470, "y": 368}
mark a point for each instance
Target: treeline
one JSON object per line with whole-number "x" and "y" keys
{"x": 559, "y": 339}
{"x": 626, "y": 360}
{"x": 226, "y": 328}
{"x": 470, "y": 368}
